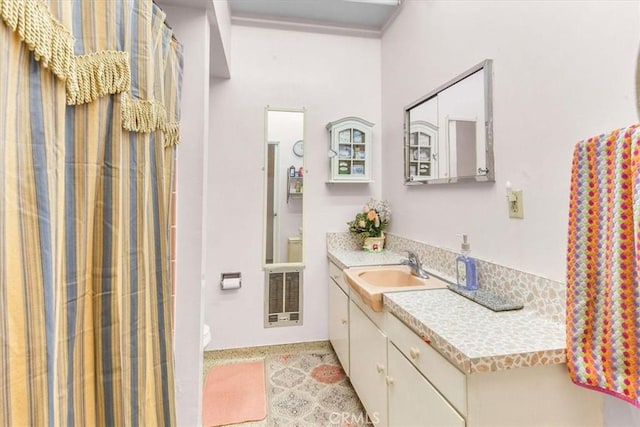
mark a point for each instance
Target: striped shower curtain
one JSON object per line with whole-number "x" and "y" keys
{"x": 89, "y": 94}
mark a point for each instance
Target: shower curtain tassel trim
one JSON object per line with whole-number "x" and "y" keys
{"x": 97, "y": 75}
{"x": 172, "y": 134}
{"x": 147, "y": 116}
{"x": 87, "y": 77}
{"x": 142, "y": 116}
{"x": 51, "y": 43}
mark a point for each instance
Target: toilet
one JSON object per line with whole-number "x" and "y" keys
{"x": 294, "y": 249}
{"x": 206, "y": 336}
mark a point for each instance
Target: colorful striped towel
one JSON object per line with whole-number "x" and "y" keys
{"x": 603, "y": 295}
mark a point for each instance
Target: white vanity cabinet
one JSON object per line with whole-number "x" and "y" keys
{"x": 351, "y": 146}
{"x": 423, "y": 385}
{"x": 339, "y": 316}
{"x": 445, "y": 396}
{"x": 413, "y": 401}
{"x": 403, "y": 380}
{"x": 368, "y": 348}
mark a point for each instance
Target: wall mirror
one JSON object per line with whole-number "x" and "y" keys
{"x": 448, "y": 133}
{"x": 284, "y": 186}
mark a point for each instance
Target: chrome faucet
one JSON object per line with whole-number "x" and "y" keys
{"x": 416, "y": 266}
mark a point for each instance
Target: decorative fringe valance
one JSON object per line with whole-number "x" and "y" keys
{"x": 148, "y": 116}
{"x": 97, "y": 75}
{"x": 172, "y": 134}
{"x": 51, "y": 43}
{"x": 142, "y": 116}
{"x": 87, "y": 77}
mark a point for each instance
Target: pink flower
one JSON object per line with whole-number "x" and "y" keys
{"x": 372, "y": 215}
{"x": 365, "y": 208}
{"x": 361, "y": 224}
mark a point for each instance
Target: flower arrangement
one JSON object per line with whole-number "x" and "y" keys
{"x": 372, "y": 221}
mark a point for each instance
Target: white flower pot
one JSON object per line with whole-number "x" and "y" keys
{"x": 374, "y": 244}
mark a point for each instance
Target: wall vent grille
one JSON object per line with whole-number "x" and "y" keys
{"x": 283, "y": 297}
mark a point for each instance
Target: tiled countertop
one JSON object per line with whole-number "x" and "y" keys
{"x": 475, "y": 338}
{"x": 472, "y": 337}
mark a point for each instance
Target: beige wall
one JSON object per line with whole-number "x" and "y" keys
{"x": 191, "y": 27}
{"x": 563, "y": 71}
{"x": 331, "y": 77}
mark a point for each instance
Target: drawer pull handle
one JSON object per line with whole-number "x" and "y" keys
{"x": 389, "y": 380}
{"x": 336, "y": 278}
{"x": 343, "y": 321}
{"x": 380, "y": 368}
{"x": 414, "y": 352}
{"x": 426, "y": 339}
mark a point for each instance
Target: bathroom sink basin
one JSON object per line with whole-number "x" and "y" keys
{"x": 371, "y": 282}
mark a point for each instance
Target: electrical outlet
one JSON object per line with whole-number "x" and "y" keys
{"x": 515, "y": 204}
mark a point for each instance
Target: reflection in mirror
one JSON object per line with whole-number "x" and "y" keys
{"x": 423, "y": 140}
{"x": 462, "y": 145}
{"x": 284, "y": 181}
{"x": 449, "y": 132}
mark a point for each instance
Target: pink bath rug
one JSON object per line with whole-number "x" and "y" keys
{"x": 234, "y": 393}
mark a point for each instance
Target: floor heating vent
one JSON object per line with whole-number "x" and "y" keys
{"x": 283, "y": 297}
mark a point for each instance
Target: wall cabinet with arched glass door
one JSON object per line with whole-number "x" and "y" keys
{"x": 351, "y": 140}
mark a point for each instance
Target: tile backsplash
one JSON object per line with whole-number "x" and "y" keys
{"x": 343, "y": 240}
{"x": 547, "y": 297}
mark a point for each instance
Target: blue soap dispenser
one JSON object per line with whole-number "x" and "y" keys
{"x": 466, "y": 272}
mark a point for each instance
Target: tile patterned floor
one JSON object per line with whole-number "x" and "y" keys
{"x": 305, "y": 385}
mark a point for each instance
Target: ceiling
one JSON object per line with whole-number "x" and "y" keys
{"x": 365, "y": 18}
{"x": 355, "y": 14}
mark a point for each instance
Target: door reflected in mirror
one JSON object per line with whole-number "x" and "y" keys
{"x": 449, "y": 131}
{"x": 463, "y": 158}
{"x": 284, "y": 181}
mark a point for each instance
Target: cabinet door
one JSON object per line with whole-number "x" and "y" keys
{"x": 339, "y": 323}
{"x": 368, "y": 349}
{"x": 422, "y": 156}
{"x": 412, "y": 399}
{"x": 351, "y": 141}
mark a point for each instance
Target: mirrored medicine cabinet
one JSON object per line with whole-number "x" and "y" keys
{"x": 448, "y": 133}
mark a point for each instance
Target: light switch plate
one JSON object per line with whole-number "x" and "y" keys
{"x": 515, "y": 204}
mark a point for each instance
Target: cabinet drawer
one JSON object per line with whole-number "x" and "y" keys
{"x": 451, "y": 382}
{"x": 336, "y": 275}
